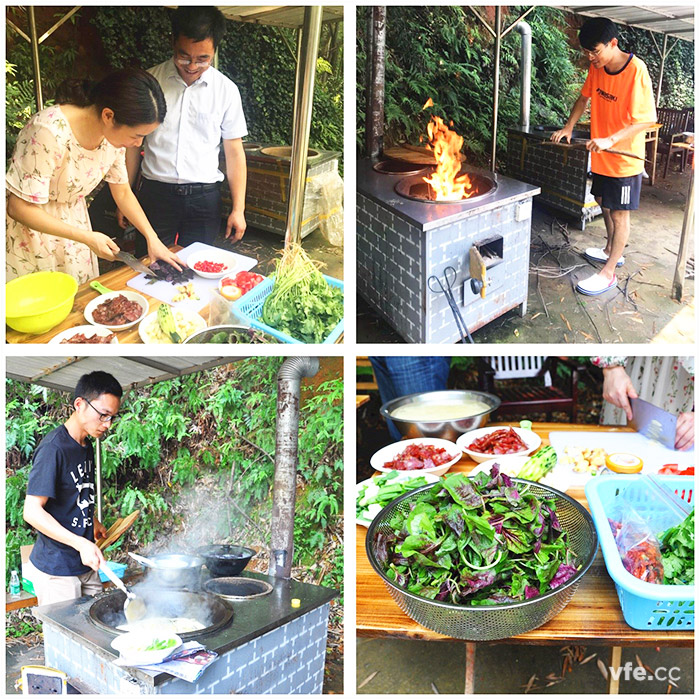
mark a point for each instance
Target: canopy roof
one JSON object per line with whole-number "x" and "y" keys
{"x": 62, "y": 373}
{"x": 290, "y": 16}
{"x": 674, "y": 20}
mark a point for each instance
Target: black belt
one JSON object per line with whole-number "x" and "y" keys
{"x": 186, "y": 189}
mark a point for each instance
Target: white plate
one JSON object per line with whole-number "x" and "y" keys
{"x": 512, "y": 464}
{"x": 221, "y": 256}
{"x": 530, "y": 438}
{"x": 130, "y": 647}
{"x": 131, "y": 296}
{"x": 402, "y": 476}
{"x": 89, "y": 331}
{"x": 152, "y": 321}
{"x": 386, "y": 454}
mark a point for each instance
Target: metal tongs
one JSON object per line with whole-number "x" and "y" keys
{"x": 436, "y": 286}
{"x": 134, "y": 605}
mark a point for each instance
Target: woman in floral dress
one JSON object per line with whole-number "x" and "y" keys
{"x": 61, "y": 155}
{"x": 667, "y": 382}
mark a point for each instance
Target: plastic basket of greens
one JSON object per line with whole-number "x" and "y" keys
{"x": 298, "y": 304}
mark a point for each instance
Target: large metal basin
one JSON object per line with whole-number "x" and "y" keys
{"x": 446, "y": 429}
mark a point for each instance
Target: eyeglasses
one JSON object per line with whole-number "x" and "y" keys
{"x": 104, "y": 417}
{"x": 593, "y": 54}
{"x": 188, "y": 61}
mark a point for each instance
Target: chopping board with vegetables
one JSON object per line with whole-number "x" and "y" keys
{"x": 653, "y": 455}
{"x": 202, "y": 288}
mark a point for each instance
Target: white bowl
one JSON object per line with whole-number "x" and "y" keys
{"x": 89, "y": 331}
{"x": 401, "y": 476}
{"x": 150, "y": 324}
{"x": 220, "y": 256}
{"x": 132, "y": 647}
{"x": 131, "y": 296}
{"x": 530, "y": 438}
{"x": 386, "y": 454}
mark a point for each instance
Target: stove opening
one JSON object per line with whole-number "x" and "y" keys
{"x": 415, "y": 187}
{"x": 238, "y": 588}
{"x": 491, "y": 251}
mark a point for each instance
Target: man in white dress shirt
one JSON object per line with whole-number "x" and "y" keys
{"x": 180, "y": 187}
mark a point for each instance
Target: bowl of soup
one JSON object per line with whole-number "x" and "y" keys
{"x": 440, "y": 414}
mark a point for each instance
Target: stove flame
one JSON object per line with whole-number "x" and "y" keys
{"x": 446, "y": 184}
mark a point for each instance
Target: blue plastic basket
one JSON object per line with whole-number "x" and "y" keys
{"x": 119, "y": 570}
{"x": 644, "y": 605}
{"x": 250, "y": 306}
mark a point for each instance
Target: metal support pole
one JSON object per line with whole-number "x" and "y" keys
{"x": 98, "y": 479}
{"x": 311, "y": 35}
{"x": 375, "y": 98}
{"x": 496, "y": 71}
{"x": 35, "y": 59}
{"x": 686, "y": 234}
{"x": 661, "y": 70}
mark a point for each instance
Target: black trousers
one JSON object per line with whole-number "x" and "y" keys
{"x": 190, "y": 212}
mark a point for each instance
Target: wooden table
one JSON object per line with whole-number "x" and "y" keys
{"x": 592, "y": 617}
{"x": 361, "y": 400}
{"x": 651, "y": 142}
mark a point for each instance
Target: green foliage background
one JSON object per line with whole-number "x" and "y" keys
{"x": 445, "y": 53}
{"x": 258, "y": 59}
{"x": 211, "y": 433}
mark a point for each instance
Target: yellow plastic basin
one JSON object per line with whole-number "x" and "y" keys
{"x": 37, "y": 302}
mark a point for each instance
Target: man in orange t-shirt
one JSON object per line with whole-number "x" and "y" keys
{"x": 622, "y": 109}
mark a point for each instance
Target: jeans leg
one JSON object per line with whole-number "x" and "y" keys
{"x": 399, "y": 376}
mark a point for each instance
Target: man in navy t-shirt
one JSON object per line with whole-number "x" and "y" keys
{"x": 60, "y": 499}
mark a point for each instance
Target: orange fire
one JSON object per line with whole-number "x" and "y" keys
{"x": 446, "y": 183}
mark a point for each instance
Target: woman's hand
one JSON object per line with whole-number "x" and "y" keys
{"x": 685, "y": 431}
{"x": 618, "y": 389}
{"x": 101, "y": 245}
{"x": 157, "y": 250}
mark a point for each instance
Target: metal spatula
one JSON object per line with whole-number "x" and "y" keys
{"x": 134, "y": 606}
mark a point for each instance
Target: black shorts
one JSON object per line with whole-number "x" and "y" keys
{"x": 617, "y": 192}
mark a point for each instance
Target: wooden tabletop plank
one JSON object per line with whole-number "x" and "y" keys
{"x": 592, "y": 617}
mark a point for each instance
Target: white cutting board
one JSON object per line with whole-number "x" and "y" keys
{"x": 653, "y": 454}
{"x": 165, "y": 291}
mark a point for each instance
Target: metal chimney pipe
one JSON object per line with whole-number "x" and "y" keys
{"x": 523, "y": 28}
{"x": 284, "y": 494}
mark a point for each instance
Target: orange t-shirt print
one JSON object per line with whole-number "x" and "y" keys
{"x": 618, "y": 100}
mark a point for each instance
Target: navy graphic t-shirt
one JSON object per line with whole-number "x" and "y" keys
{"x": 64, "y": 471}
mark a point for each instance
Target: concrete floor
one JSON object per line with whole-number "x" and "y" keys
{"x": 648, "y": 312}
{"x": 418, "y": 667}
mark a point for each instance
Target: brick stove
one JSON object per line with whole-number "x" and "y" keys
{"x": 402, "y": 242}
{"x": 267, "y": 647}
{"x": 267, "y": 190}
{"x": 561, "y": 173}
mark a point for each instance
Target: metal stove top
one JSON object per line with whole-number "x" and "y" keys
{"x": 251, "y": 619}
{"x": 430, "y": 215}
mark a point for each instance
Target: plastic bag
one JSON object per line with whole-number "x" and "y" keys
{"x": 326, "y": 194}
{"x": 222, "y": 312}
{"x": 638, "y": 516}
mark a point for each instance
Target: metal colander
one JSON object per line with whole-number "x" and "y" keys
{"x": 491, "y": 622}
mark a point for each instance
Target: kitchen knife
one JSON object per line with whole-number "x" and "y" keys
{"x": 653, "y": 422}
{"x": 133, "y": 263}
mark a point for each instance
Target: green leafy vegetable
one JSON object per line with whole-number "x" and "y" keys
{"x": 477, "y": 541}
{"x": 382, "y": 490}
{"x": 302, "y": 304}
{"x": 678, "y": 553}
{"x": 160, "y": 644}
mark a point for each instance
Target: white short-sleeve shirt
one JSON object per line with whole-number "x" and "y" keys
{"x": 185, "y": 147}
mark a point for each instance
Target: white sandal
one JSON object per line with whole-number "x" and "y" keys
{"x": 596, "y": 284}
{"x": 599, "y": 255}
